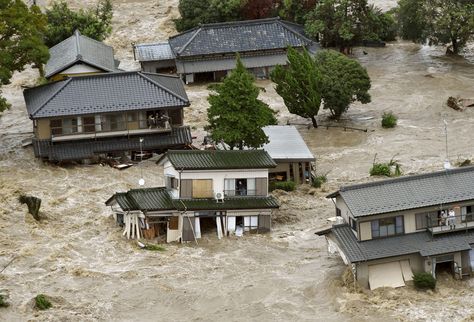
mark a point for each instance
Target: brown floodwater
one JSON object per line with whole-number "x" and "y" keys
{"x": 78, "y": 256}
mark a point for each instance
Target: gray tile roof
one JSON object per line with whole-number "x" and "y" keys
{"x": 239, "y": 36}
{"x": 155, "y": 199}
{"x": 85, "y": 149}
{"x": 155, "y": 51}
{"x": 79, "y": 48}
{"x": 286, "y": 144}
{"x": 219, "y": 159}
{"x": 421, "y": 243}
{"x": 105, "y": 93}
{"x": 409, "y": 192}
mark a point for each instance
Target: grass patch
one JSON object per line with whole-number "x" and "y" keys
{"x": 318, "y": 181}
{"x": 154, "y": 247}
{"x": 3, "y": 301}
{"x": 42, "y": 303}
{"x": 388, "y": 169}
{"x": 283, "y": 185}
{"x": 424, "y": 281}
{"x": 389, "y": 120}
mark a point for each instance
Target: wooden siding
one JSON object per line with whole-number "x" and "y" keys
{"x": 261, "y": 186}
{"x": 202, "y": 188}
{"x": 186, "y": 188}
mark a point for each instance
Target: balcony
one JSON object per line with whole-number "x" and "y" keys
{"x": 240, "y": 193}
{"x": 449, "y": 224}
{"x": 108, "y": 129}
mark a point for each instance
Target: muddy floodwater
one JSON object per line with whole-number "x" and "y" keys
{"x": 78, "y": 257}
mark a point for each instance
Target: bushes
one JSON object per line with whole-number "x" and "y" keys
{"x": 389, "y": 120}
{"x": 319, "y": 180}
{"x": 284, "y": 185}
{"x": 424, "y": 281}
{"x": 42, "y": 303}
{"x": 153, "y": 247}
{"x": 3, "y": 301}
{"x": 388, "y": 169}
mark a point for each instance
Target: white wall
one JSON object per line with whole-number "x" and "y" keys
{"x": 80, "y": 69}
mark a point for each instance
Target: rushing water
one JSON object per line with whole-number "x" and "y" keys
{"x": 78, "y": 256}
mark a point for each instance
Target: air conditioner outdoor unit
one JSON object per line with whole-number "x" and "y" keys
{"x": 219, "y": 196}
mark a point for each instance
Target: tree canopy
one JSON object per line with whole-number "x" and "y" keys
{"x": 21, "y": 40}
{"x": 93, "y": 22}
{"x": 236, "y": 115}
{"x": 298, "y": 84}
{"x": 440, "y": 22}
{"x": 330, "y": 77}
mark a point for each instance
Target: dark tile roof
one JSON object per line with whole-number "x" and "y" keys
{"x": 156, "y": 199}
{"x": 79, "y": 48}
{"x": 422, "y": 243}
{"x": 85, "y": 149}
{"x": 105, "y": 93}
{"x": 155, "y": 51}
{"x": 409, "y": 192}
{"x": 228, "y": 204}
{"x": 219, "y": 159}
{"x": 239, "y": 36}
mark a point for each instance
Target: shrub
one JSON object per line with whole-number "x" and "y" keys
{"x": 154, "y": 247}
{"x": 3, "y": 301}
{"x": 42, "y": 303}
{"x": 285, "y": 185}
{"x": 319, "y": 180}
{"x": 389, "y": 120}
{"x": 380, "y": 169}
{"x": 424, "y": 281}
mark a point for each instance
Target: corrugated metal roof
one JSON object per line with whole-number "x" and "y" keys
{"x": 286, "y": 143}
{"x": 238, "y": 36}
{"x": 105, "y": 93}
{"x": 85, "y": 149}
{"x": 409, "y": 192}
{"x": 210, "y": 65}
{"x": 422, "y": 243}
{"x": 227, "y": 204}
{"x": 79, "y": 48}
{"x": 154, "y": 51}
{"x": 219, "y": 159}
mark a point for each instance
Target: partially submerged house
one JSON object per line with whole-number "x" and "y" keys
{"x": 108, "y": 114}
{"x": 389, "y": 229}
{"x": 222, "y": 191}
{"x": 291, "y": 154}
{"x": 208, "y": 51}
{"x": 79, "y": 55}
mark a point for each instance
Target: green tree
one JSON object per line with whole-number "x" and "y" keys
{"x": 344, "y": 81}
{"x": 93, "y": 22}
{"x": 195, "y": 12}
{"x": 236, "y": 115}
{"x": 298, "y": 84}
{"x": 21, "y": 41}
{"x": 296, "y": 10}
{"x": 441, "y": 22}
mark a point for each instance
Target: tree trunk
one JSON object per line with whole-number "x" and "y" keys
{"x": 455, "y": 46}
{"x": 315, "y": 123}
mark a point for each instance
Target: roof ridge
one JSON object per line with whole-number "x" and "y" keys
{"x": 165, "y": 42}
{"x": 189, "y": 41}
{"x": 164, "y": 87}
{"x": 283, "y": 24}
{"x": 407, "y": 178}
{"x": 240, "y": 22}
{"x": 160, "y": 74}
{"x": 92, "y": 64}
{"x": 66, "y": 82}
{"x": 78, "y": 47}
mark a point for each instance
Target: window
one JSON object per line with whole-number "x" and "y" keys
{"x": 426, "y": 219}
{"x": 202, "y": 188}
{"x": 387, "y": 227}
{"x": 338, "y": 212}
{"x": 88, "y": 124}
{"x": 240, "y": 187}
{"x": 56, "y": 126}
{"x": 466, "y": 214}
{"x": 63, "y": 126}
{"x": 353, "y": 224}
{"x": 171, "y": 183}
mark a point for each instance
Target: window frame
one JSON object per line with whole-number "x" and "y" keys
{"x": 396, "y": 227}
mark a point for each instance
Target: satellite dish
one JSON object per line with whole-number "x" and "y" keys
{"x": 141, "y": 182}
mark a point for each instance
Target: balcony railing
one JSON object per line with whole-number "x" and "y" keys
{"x": 447, "y": 224}
{"x": 104, "y": 129}
{"x": 240, "y": 193}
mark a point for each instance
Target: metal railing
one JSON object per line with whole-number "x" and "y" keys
{"x": 443, "y": 224}
{"x": 240, "y": 193}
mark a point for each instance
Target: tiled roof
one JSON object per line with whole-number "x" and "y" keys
{"x": 105, "y": 93}
{"x": 286, "y": 143}
{"x": 85, "y": 149}
{"x": 409, "y": 192}
{"x": 238, "y": 36}
{"x": 156, "y": 199}
{"x": 227, "y": 204}
{"x": 422, "y": 243}
{"x": 219, "y": 159}
{"x": 79, "y": 48}
{"x": 155, "y": 51}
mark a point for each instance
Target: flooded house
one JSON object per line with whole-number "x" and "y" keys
{"x": 79, "y": 55}
{"x": 291, "y": 154}
{"x": 387, "y": 230}
{"x": 207, "y": 191}
{"x": 208, "y": 52}
{"x": 107, "y": 115}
